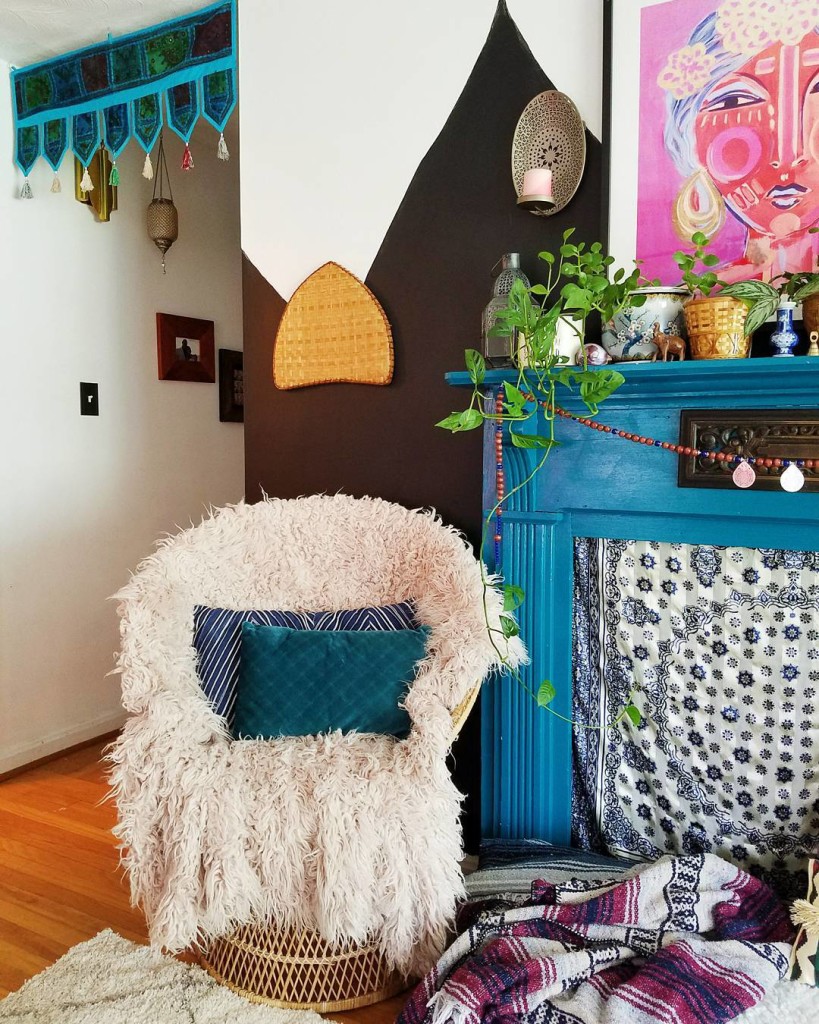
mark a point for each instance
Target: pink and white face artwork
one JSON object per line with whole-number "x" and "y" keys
{"x": 757, "y": 135}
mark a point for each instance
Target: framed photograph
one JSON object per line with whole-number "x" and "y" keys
{"x": 712, "y": 121}
{"x": 185, "y": 348}
{"x": 231, "y": 386}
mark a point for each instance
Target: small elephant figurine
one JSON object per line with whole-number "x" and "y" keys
{"x": 667, "y": 344}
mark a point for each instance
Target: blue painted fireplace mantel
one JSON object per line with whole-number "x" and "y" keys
{"x": 597, "y": 485}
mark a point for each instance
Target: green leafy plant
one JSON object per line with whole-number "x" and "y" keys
{"x": 704, "y": 281}
{"x": 761, "y": 298}
{"x": 580, "y": 283}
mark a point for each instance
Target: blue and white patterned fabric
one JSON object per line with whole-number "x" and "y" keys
{"x": 217, "y": 638}
{"x": 723, "y": 643}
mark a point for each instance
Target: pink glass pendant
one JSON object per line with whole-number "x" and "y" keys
{"x": 744, "y": 475}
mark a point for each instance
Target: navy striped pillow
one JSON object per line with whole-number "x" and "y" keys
{"x": 217, "y": 638}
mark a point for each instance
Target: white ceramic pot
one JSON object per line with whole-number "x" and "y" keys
{"x": 629, "y": 336}
{"x": 567, "y": 343}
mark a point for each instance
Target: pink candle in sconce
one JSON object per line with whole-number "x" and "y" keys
{"x": 537, "y": 181}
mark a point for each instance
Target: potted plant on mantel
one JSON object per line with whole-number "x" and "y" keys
{"x": 580, "y": 282}
{"x": 717, "y": 323}
{"x": 766, "y": 299}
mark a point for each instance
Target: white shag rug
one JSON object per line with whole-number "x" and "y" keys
{"x": 789, "y": 1002}
{"x": 109, "y": 980}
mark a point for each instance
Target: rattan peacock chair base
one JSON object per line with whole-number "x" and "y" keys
{"x": 298, "y": 970}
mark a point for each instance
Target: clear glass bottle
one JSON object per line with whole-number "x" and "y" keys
{"x": 497, "y": 350}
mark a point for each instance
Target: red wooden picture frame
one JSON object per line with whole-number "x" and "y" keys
{"x": 185, "y": 348}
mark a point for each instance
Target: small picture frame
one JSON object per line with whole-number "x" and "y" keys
{"x": 231, "y": 386}
{"x": 185, "y": 348}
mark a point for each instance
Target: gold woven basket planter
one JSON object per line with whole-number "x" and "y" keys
{"x": 810, "y": 312}
{"x": 716, "y": 327}
{"x": 299, "y": 970}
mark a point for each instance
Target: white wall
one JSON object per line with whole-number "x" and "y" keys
{"x": 339, "y": 110}
{"x": 82, "y": 499}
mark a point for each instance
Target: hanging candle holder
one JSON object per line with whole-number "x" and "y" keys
{"x": 163, "y": 218}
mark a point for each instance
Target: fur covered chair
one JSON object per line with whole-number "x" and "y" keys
{"x": 352, "y": 838}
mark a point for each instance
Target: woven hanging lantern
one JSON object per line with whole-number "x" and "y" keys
{"x": 163, "y": 218}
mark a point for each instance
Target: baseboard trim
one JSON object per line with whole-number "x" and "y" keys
{"x": 60, "y": 743}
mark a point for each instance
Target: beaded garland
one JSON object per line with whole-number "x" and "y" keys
{"x": 702, "y": 453}
{"x": 792, "y": 482}
{"x": 500, "y": 489}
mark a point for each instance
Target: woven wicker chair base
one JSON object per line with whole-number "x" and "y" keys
{"x": 299, "y": 970}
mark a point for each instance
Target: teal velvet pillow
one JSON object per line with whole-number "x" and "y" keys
{"x": 295, "y": 682}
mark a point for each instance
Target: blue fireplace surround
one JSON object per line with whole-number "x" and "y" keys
{"x": 597, "y": 485}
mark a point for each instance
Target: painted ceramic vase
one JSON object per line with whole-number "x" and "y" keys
{"x": 629, "y": 336}
{"x": 784, "y": 339}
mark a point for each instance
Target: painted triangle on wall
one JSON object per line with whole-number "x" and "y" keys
{"x": 332, "y": 331}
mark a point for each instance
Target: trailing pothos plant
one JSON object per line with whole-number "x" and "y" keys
{"x": 580, "y": 283}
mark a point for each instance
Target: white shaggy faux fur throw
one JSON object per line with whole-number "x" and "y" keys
{"x": 356, "y": 836}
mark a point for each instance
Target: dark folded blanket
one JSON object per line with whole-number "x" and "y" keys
{"x": 683, "y": 940}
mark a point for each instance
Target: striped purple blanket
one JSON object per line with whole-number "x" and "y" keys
{"x": 684, "y": 940}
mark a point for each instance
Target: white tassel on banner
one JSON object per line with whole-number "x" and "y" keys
{"x": 55, "y": 185}
{"x": 222, "y": 151}
{"x": 86, "y": 185}
{"x": 148, "y": 168}
{"x": 26, "y": 192}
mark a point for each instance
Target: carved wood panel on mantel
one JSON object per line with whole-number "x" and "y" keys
{"x": 763, "y": 433}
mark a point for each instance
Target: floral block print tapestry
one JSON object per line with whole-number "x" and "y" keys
{"x": 723, "y": 646}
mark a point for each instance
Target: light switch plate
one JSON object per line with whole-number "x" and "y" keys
{"x": 89, "y": 399}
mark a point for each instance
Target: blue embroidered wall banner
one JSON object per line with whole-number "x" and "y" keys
{"x": 55, "y": 142}
{"x": 723, "y": 643}
{"x": 183, "y": 109}
{"x": 85, "y": 136}
{"x": 117, "y": 128}
{"x": 148, "y": 120}
{"x": 109, "y": 77}
{"x": 218, "y": 98}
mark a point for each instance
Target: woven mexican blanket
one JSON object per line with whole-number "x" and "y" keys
{"x": 683, "y": 940}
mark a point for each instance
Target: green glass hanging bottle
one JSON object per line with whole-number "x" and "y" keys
{"x": 499, "y": 350}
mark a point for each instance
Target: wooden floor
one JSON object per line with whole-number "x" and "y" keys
{"x": 60, "y": 880}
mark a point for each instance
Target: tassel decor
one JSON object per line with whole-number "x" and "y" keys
{"x": 26, "y": 192}
{"x": 86, "y": 185}
{"x": 148, "y": 168}
{"x": 807, "y": 915}
{"x": 187, "y": 159}
{"x": 55, "y": 185}
{"x": 113, "y": 178}
{"x": 222, "y": 151}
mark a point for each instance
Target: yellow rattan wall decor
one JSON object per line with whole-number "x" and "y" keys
{"x": 333, "y": 330}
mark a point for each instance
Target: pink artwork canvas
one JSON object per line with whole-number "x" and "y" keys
{"x": 729, "y": 135}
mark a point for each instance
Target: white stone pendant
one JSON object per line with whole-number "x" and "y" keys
{"x": 744, "y": 475}
{"x": 793, "y": 479}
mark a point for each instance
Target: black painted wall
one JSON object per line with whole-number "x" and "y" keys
{"x": 432, "y": 276}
